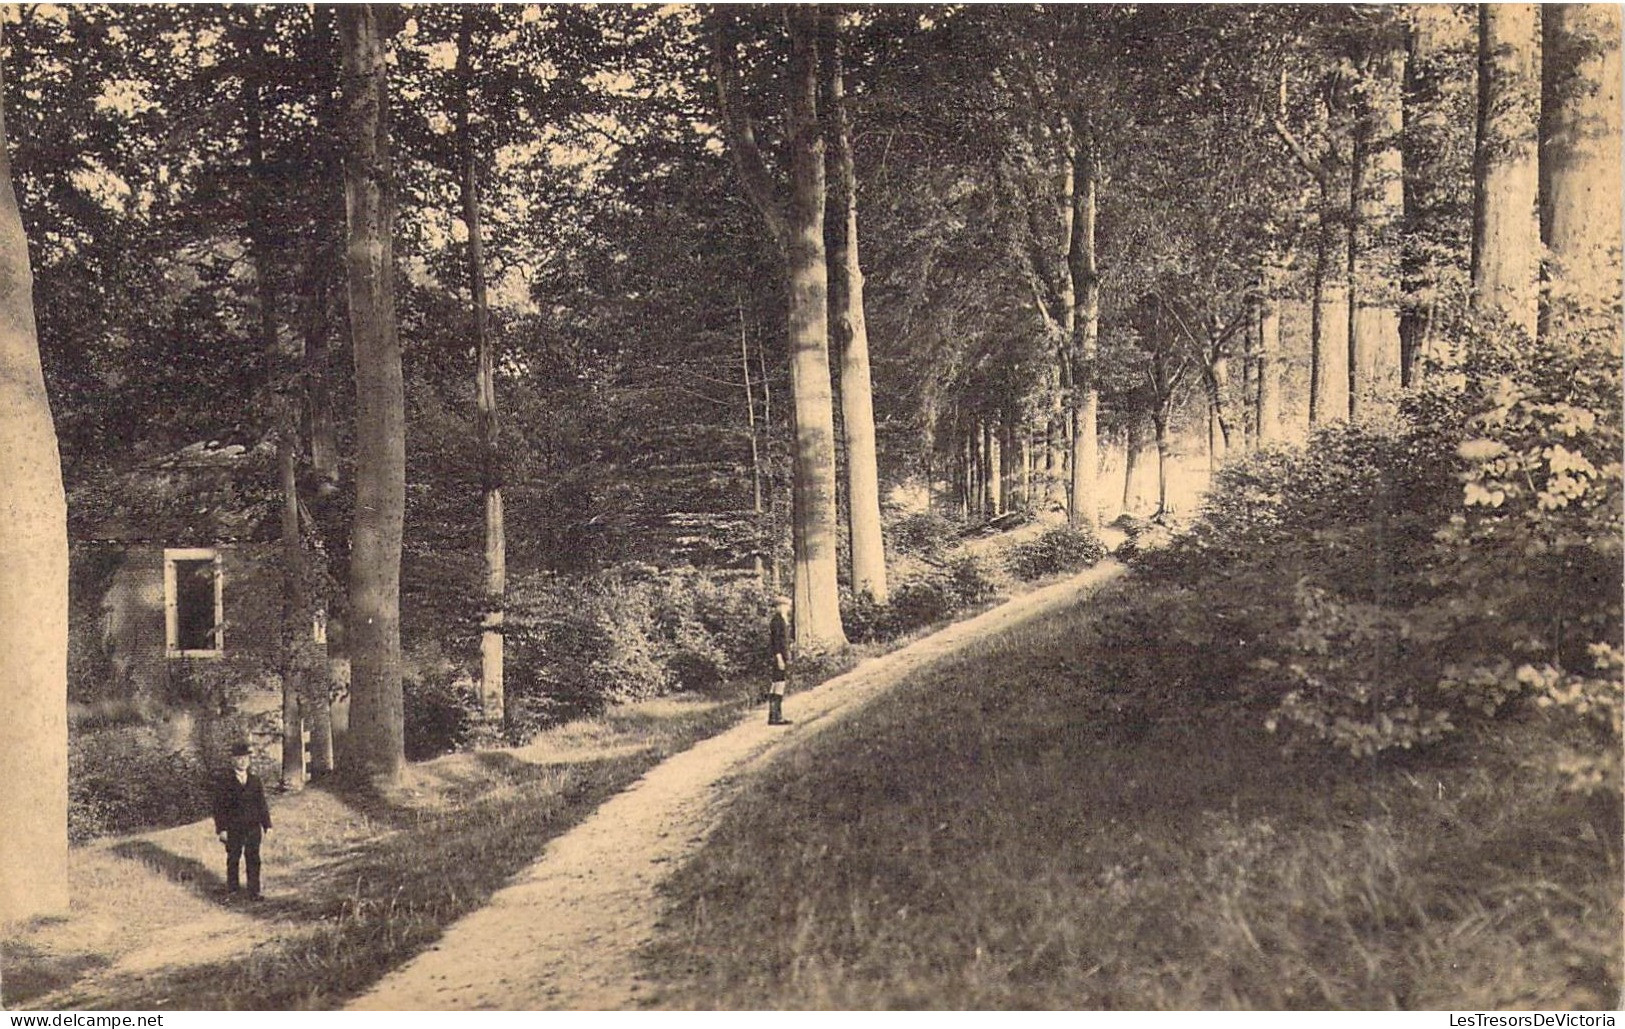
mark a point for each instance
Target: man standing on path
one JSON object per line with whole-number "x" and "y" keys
{"x": 240, "y": 815}
{"x": 778, "y": 635}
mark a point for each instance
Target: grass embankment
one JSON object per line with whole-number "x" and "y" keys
{"x": 998, "y": 834}
{"x": 355, "y": 884}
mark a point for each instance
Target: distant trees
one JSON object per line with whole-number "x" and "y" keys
{"x": 33, "y": 597}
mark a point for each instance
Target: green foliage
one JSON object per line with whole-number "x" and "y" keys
{"x": 576, "y": 646}
{"x": 928, "y": 535}
{"x": 919, "y": 601}
{"x": 1537, "y": 577}
{"x": 442, "y": 711}
{"x": 122, "y": 778}
{"x": 1061, "y": 548}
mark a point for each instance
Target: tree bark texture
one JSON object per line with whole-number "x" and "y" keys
{"x": 1506, "y": 172}
{"x": 817, "y": 598}
{"x": 1580, "y": 160}
{"x": 1267, "y": 419}
{"x": 1085, "y": 275}
{"x": 1378, "y": 204}
{"x": 377, "y": 741}
{"x": 1329, "y": 319}
{"x": 282, "y": 366}
{"x": 33, "y": 599}
{"x": 857, "y": 400}
{"x": 492, "y": 703}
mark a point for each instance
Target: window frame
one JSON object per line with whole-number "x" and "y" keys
{"x": 172, "y": 647}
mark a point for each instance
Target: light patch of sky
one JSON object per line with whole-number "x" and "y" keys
{"x": 126, "y": 97}
{"x": 202, "y": 48}
{"x": 96, "y": 182}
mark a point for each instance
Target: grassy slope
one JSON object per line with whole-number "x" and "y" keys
{"x": 993, "y": 836}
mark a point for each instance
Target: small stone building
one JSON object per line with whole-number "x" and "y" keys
{"x": 176, "y": 591}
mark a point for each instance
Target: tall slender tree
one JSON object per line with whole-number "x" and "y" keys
{"x": 33, "y": 596}
{"x": 852, "y": 332}
{"x": 377, "y": 736}
{"x": 1377, "y": 204}
{"x": 485, "y": 397}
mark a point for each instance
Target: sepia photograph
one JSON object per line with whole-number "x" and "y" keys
{"x": 621, "y": 507}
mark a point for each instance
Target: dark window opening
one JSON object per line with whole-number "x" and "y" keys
{"x": 194, "y": 605}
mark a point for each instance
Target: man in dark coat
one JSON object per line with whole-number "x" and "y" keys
{"x": 240, "y": 816}
{"x": 778, "y": 641}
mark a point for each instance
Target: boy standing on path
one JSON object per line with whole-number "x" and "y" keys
{"x": 240, "y": 815}
{"x": 778, "y": 636}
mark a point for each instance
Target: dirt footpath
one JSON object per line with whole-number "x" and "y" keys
{"x": 565, "y": 934}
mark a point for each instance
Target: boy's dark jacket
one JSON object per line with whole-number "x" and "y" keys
{"x": 240, "y": 806}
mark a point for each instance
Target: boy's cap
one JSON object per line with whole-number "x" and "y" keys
{"x": 239, "y": 750}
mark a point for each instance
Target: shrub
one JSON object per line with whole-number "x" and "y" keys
{"x": 443, "y": 714}
{"x": 926, "y": 535}
{"x": 576, "y": 646}
{"x": 1060, "y": 548}
{"x": 121, "y": 779}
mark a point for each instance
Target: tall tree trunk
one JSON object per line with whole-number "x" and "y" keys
{"x": 281, "y": 365}
{"x": 377, "y": 738}
{"x": 1085, "y": 508}
{"x": 755, "y": 447}
{"x": 857, "y": 402}
{"x": 324, "y": 467}
{"x": 1580, "y": 162}
{"x": 492, "y": 703}
{"x": 1329, "y": 318}
{"x": 33, "y": 598}
{"x": 1058, "y": 491}
{"x": 798, "y": 228}
{"x": 1506, "y": 175}
{"x": 1428, "y": 199}
{"x": 1131, "y": 461}
{"x": 817, "y": 598}
{"x": 1164, "y": 445}
{"x": 1378, "y": 205}
{"x": 1216, "y": 379}
{"x": 1268, "y": 411}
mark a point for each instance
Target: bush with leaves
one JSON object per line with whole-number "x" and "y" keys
{"x": 123, "y": 778}
{"x": 928, "y": 535}
{"x": 1537, "y": 542}
{"x": 1058, "y": 549}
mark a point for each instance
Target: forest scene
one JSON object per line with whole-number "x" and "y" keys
{"x": 811, "y": 506}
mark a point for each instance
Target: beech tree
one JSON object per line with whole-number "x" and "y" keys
{"x": 377, "y": 735}
{"x": 1580, "y": 157}
{"x": 852, "y": 332}
{"x": 1506, "y": 226}
{"x": 796, "y": 223}
{"x": 33, "y": 596}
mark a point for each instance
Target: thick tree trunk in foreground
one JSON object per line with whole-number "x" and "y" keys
{"x": 798, "y": 228}
{"x": 485, "y": 400}
{"x": 817, "y": 597}
{"x": 377, "y": 740}
{"x": 1580, "y": 161}
{"x": 33, "y": 599}
{"x": 1506, "y": 176}
{"x": 1378, "y": 205}
{"x": 1085, "y": 506}
{"x": 857, "y": 401}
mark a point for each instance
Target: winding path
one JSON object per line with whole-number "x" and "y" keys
{"x": 565, "y": 934}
